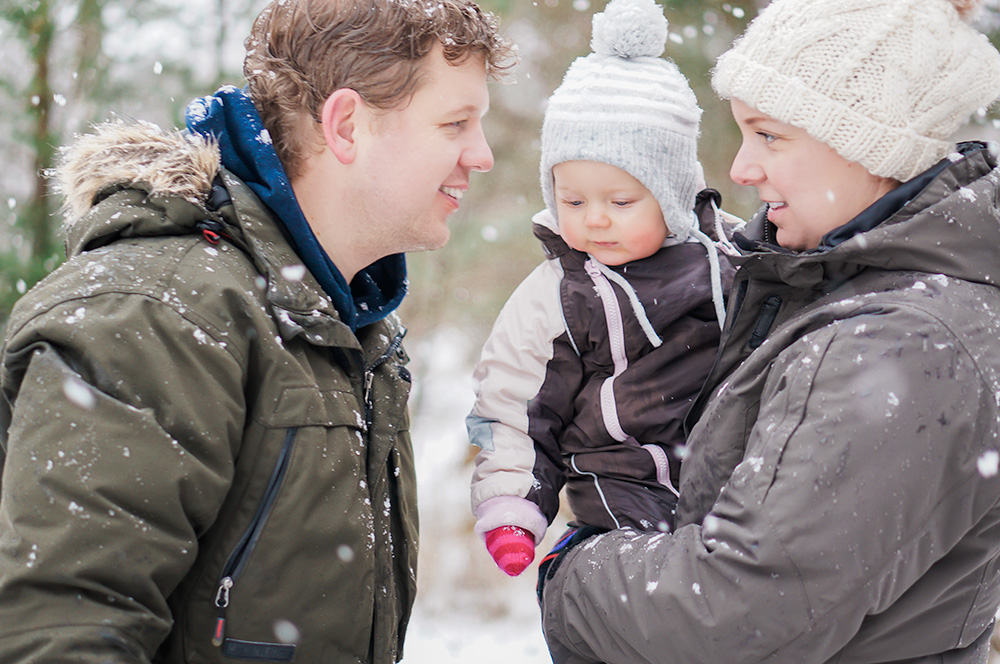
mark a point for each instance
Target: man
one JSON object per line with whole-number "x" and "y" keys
{"x": 205, "y": 440}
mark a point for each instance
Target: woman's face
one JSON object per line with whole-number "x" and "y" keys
{"x": 808, "y": 187}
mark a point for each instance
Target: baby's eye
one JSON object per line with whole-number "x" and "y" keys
{"x": 572, "y": 203}
{"x": 621, "y": 203}
{"x": 768, "y": 138}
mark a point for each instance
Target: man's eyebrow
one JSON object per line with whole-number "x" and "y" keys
{"x": 469, "y": 109}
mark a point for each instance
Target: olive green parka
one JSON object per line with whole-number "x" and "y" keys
{"x": 201, "y": 462}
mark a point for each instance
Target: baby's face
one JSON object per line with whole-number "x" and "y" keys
{"x": 607, "y": 213}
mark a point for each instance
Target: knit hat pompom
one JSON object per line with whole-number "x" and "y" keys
{"x": 967, "y": 9}
{"x": 630, "y": 29}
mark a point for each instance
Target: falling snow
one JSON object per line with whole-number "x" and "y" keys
{"x": 293, "y": 272}
{"x": 79, "y": 393}
{"x": 286, "y": 631}
{"x": 989, "y": 463}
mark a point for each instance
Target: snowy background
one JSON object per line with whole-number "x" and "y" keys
{"x": 466, "y": 609}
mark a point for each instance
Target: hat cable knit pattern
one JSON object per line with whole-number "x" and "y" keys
{"x": 625, "y": 106}
{"x": 885, "y": 83}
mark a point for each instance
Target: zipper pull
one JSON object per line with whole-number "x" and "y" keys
{"x": 220, "y": 631}
{"x": 221, "y": 601}
{"x": 369, "y": 379}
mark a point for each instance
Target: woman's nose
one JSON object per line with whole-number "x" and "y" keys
{"x": 745, "y": 170}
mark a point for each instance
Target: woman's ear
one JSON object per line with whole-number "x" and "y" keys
{"x": 342, "y": 112}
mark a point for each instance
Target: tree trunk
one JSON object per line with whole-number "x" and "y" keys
{"x": 37, "y": 215}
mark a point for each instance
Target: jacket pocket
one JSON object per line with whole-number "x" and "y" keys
{"x": 275, "y": 652}
{"x": 290, "y": 574}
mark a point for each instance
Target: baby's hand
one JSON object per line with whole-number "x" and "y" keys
{"x": 512, "y": 548}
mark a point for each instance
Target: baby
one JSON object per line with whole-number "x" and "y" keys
{"x": 597, "y": 356}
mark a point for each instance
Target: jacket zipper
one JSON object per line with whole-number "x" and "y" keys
{"x": 368, "y": 373}
{"x": 238, "y": 558}
{"x": 765, "y": 320}
{"x": 369, "y": 378}
{"x": 616, "y": 339}
{"x": 662, "y": 466}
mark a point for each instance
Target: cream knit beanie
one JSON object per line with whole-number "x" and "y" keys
{"x": 885, "y": 83}
{"x": 625, "y": 106}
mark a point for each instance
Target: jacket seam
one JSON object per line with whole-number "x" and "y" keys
{"x": 972, "y": 604}
{"x": 128, "y": 292}
{"x": 63, "y": 625}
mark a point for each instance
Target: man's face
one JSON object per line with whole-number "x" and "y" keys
{"x": 414, "y": 162}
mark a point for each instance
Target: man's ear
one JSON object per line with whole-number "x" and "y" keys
{"x": 343, "y": 111}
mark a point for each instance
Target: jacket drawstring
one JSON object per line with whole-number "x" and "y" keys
{"x": 721, "y": 219}
{"x": 718, "y": 297}
{"x": 694, "y": 231}
{"x": 640, "y": 311}
{"x": 212, "y": 231}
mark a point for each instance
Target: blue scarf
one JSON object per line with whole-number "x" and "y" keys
{"x": 230, "y": 117}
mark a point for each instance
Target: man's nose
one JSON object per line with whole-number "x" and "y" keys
{"x": 478, "y": 156}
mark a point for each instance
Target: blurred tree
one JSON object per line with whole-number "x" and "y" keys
{"x": 24, "y": 262}
{"x": 68, "y": 63}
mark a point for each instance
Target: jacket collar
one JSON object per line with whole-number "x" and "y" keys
{"x": 230, "y": 118}
{"x": 942, "y": 221}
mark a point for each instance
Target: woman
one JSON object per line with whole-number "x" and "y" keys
{"x": 840, "y": 499}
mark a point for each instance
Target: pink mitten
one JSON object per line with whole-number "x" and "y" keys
{"x": 512, "y": 548}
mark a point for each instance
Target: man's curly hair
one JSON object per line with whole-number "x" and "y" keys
{"x": 301, "y": 51}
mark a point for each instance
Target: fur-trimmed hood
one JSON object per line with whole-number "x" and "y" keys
{"x": 166, "y": 179}
{"x": 122, "y": 154}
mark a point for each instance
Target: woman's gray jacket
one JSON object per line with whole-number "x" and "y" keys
{"x": 840, "y": 501}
